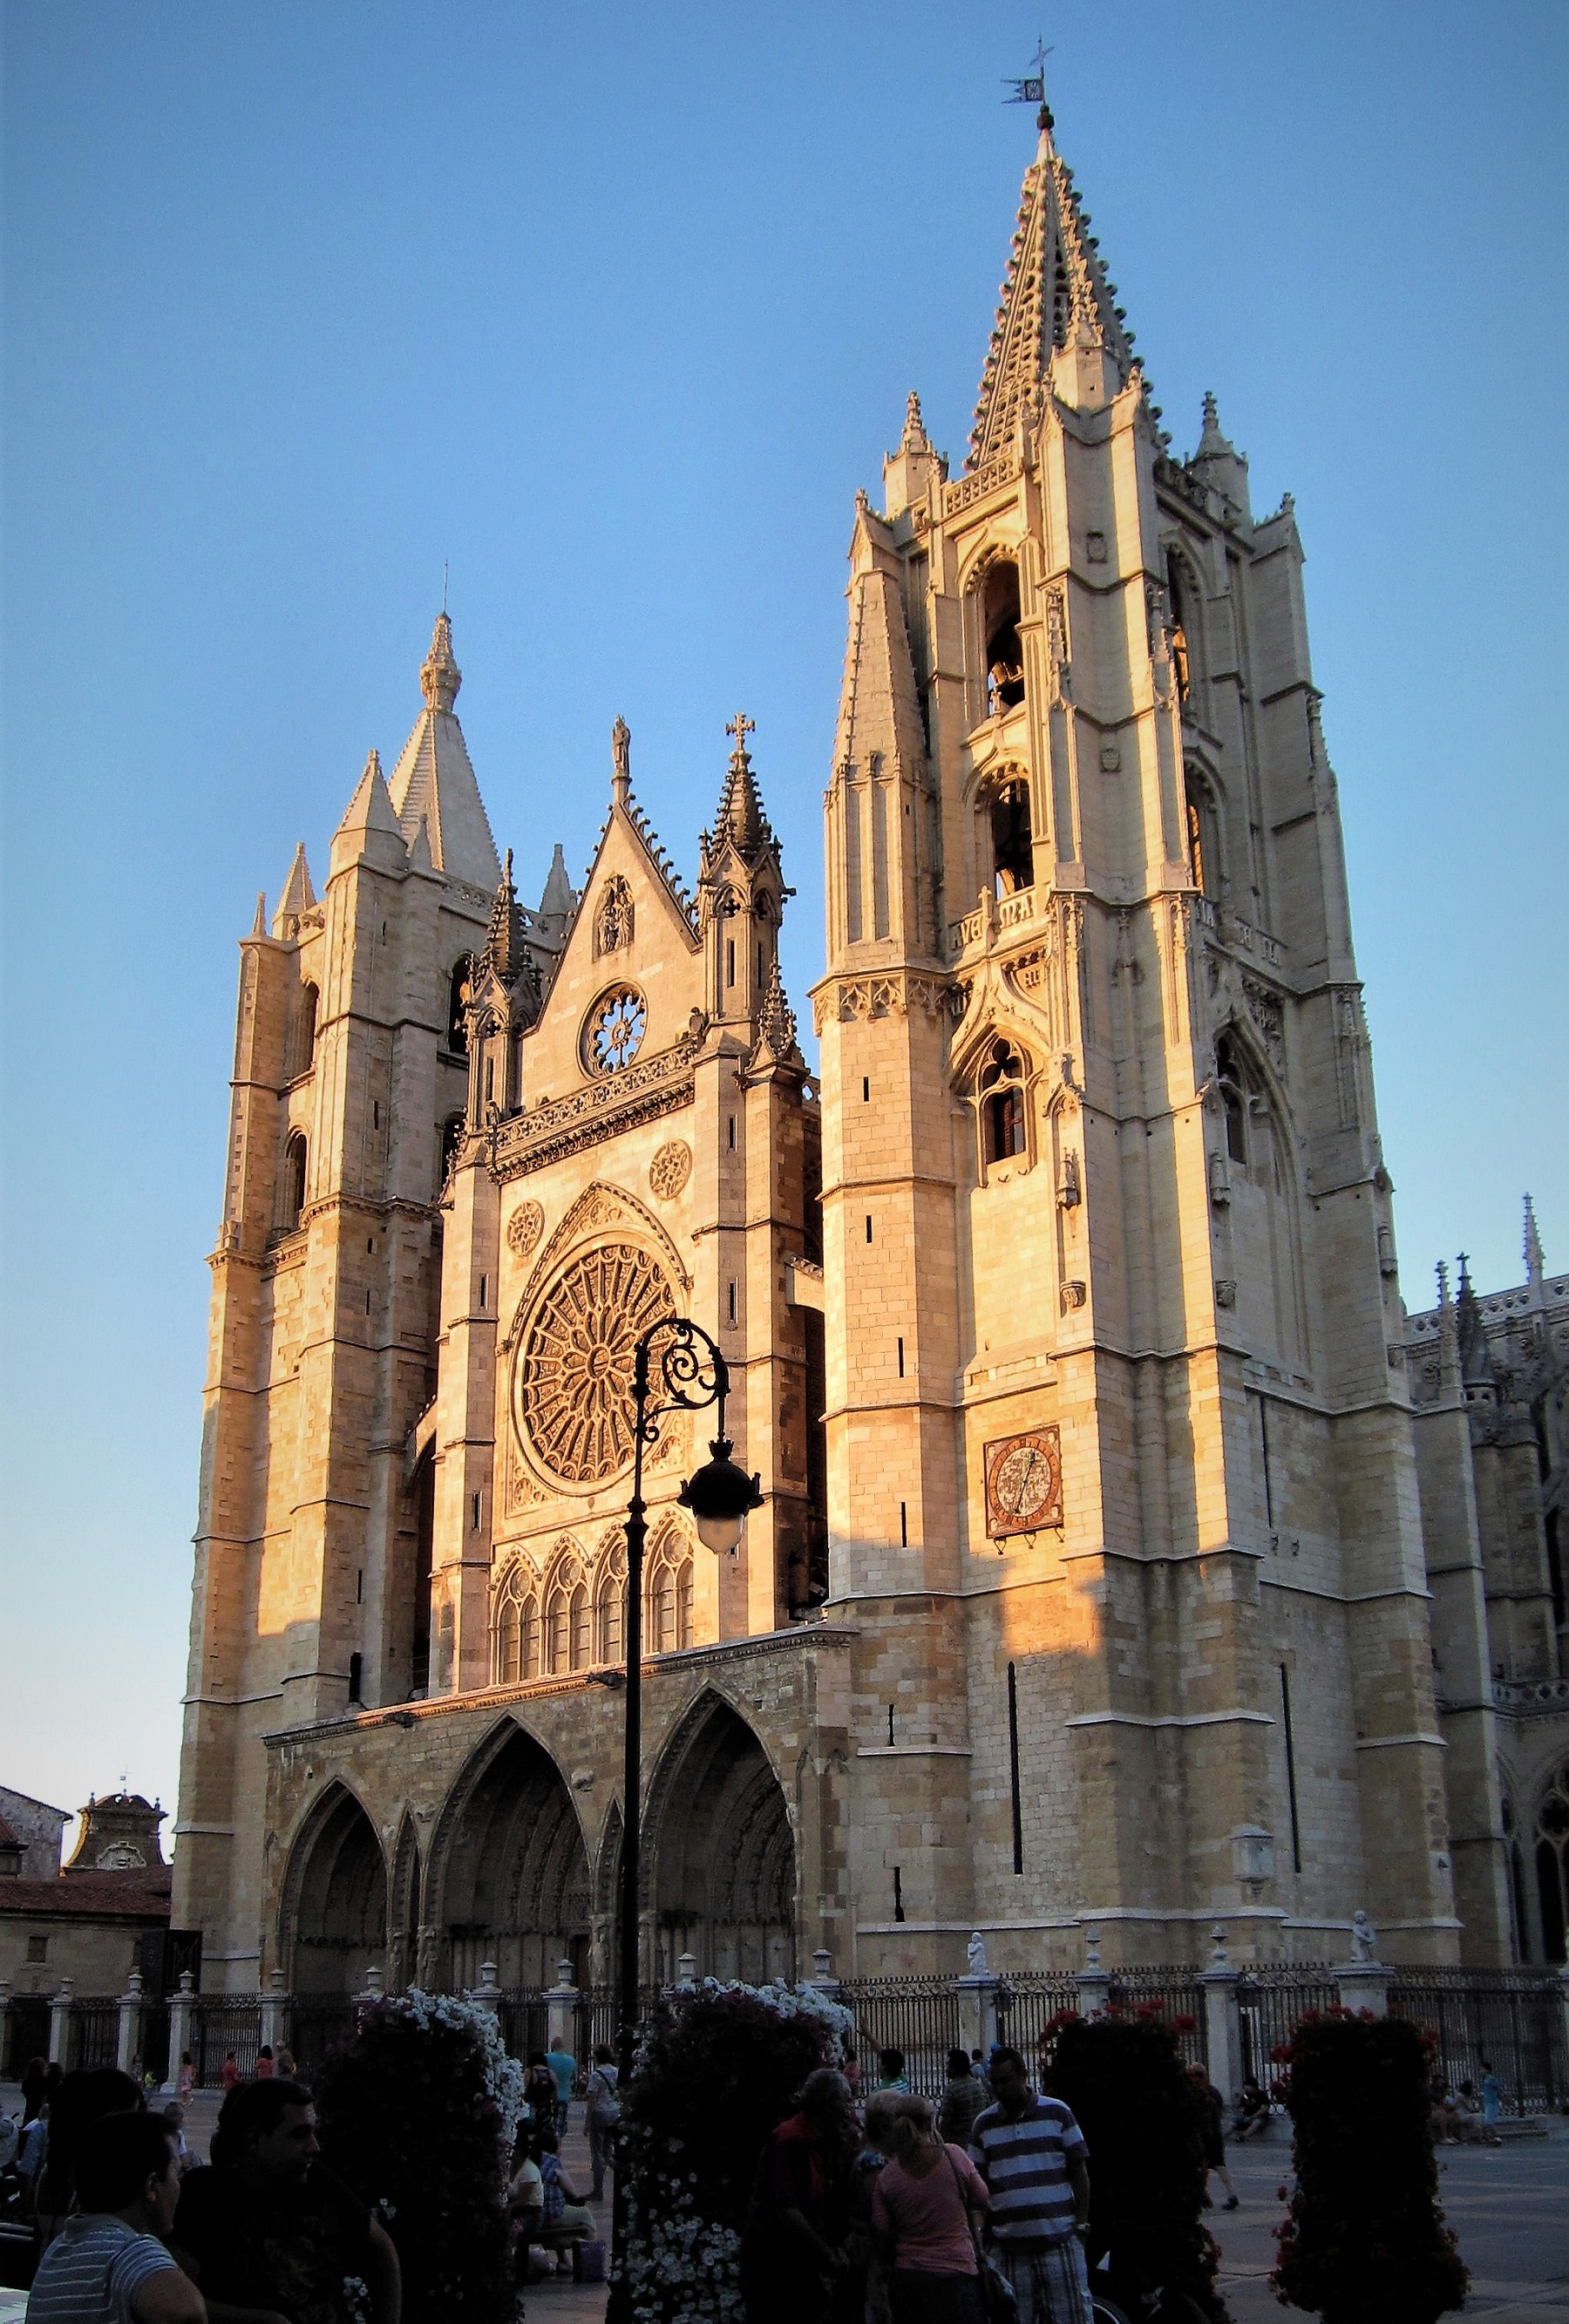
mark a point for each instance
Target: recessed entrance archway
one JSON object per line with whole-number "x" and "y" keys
{"x": 721, "y": 1880}
{"x": 509, "y": 1877}
{"x": 335, "y": 1913}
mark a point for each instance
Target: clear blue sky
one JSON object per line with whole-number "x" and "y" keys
{"x": 613, "y": 309}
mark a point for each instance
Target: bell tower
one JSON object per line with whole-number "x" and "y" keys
{"x": 1122, "y": 1493}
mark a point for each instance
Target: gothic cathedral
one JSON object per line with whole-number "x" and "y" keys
{"x": 1115, "y": 1566}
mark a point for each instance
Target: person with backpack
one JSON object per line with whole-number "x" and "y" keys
{"x": 603, "y": 2111}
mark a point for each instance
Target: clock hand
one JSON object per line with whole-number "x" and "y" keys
{"x": 1024, "y": 1481}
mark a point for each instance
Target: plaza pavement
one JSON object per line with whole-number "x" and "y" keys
{"x": 1508, "y": 2206}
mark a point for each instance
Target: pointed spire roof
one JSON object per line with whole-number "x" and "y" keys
{"x": 741, "y": 818}
{"x": 1536, "y": 1257}
{"x": 504, "y": 948}
{"x": 1475, "y": 1358}
{"x": 434, "y": 779}
{"x": 915, "y": 438}
{"x": 1218, "y": 461}
{"x": 370, "y": 810}
{"x": 776, "y": 1042}
{"x": 879, "y": 711}
{"x": 299, "y": 895}
{"x": 559, "y": 900}
{"x": 1055, "y": 295}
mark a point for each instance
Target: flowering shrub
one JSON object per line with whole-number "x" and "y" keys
{"x": 717, "y": 2070}
{"x": 417, "y": 2113}
{"x": 1364, "y": 2241}
{"x": 1124, "y": 2079}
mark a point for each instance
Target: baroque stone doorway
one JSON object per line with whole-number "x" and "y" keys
{"x": 721, "y": 1873}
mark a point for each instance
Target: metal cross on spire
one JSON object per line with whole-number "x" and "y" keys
{"x": 741, "y": 726}
{"x": 1031, "y": 89}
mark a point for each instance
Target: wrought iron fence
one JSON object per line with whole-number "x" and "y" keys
{"x": 1506, "y": 2019}
{"x": 917, "y": 2016}
{"x": 1271, "y": 2002}
{"x": 26, "y": 2033}
{"x": 318, "y": 2025}
{"x": 155, "y": 2040}
{"x": 95, "y": 2032}
{"x": 224, "y": 2025}
{"x": 1026, "y": 2004}
{"x": 1176, "y": 1992}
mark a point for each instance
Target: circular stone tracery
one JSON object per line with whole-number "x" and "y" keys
{"x": 572, "y": 1393}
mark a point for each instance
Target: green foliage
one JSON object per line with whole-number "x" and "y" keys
{"x": 1365, "y": 2241}
{"x": 718, "y": 2069}
{"x": 417, "y": 2114}
{"x": 1130, "y": 2092}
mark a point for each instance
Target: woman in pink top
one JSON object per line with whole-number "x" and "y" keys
{"x": 926, "y": 2208}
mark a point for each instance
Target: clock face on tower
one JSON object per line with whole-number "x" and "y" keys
{"x": 1024, "y": 1483}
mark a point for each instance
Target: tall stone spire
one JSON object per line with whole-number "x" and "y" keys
{"x": 434, "y": 782}
{"x": 1055, "y": 300}
{"x": 504, "y": 948}
{"x": 1536, "y": 1259}
{"x": 741, "y": 818}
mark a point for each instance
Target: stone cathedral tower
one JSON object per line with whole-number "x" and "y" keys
{"x": 1090, "y": 1586}
{"x": 1122, "y": 1497}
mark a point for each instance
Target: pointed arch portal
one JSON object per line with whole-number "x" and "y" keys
{"x": 339, "y": 1884}
{"x": 722, "y": 1864}
{"x": 514, "y": 1889}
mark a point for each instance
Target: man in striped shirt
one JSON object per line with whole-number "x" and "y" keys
{"x": 108, "y": 2265}
{"x": 1032, "y": 2155}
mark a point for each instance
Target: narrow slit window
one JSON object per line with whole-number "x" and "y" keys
{"x": 898, "y": 1894}
{"x": 476, "y": 1513}
{"x": 868, "y": 1226}
{"x": 733, "y": 1133}
{"x": 890, "y": 1722}
{"x": 901, "y": 1359}
{"x": 1291, "y": 1767}
{"x": 904, "y": 1525}
{"x": 356, "y": 1668}
{"x": 484, "y": 1288}
{"x": 359, "y": 1587}
{"x": 1013, "y": 1768}
{"x": 865, "y": 1088}
{"x": 730, "y": 959}
{"x": 733, "y": 1303}
{"x": 367, "y": 1302}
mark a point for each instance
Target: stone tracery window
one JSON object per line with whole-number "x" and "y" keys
{"x": 457, "y": 991}
{"x": 573, "y": 1385}
{"x": 1000, "y": 1091}
{"x": 615, "y": 1031}
{"x": 1012, "y": 839}
{"x": 294, "y": 1160}
{"x": 609, "y": 1609}
{"x": 669, "y": 1591}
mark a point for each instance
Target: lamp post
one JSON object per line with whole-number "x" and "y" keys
{"x": 691, "y": 1374}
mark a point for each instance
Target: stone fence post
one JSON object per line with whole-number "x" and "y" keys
{"x": 822, "y": 1979}
{"x": 274, "y": 2013}
{"x": 130, "y": 2042}
{"x": 978, "y": 2012}
{"x": 181, "y": 2019}
{"x": 59, "y": 2024}
{"x": 562, "y": 2010}
{"x": 487, "y": 1992}
{"x": 1093, "y": 1982}
{"x": 1223, "y": 2019}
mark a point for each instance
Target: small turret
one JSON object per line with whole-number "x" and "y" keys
{"x": 1476, "y": 1370}
{"x": 440, "y": 676}
{"x": 907, "y": 472}
{"x": 1218, "y": 464}
{"x": 298, "y": 896}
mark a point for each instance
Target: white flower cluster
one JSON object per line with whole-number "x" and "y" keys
{"x": 461, "y": 2013}
{"x": 356, "y": 2298}
{"x": 683, "y": 2270}
{"x": 784, "y": 2000}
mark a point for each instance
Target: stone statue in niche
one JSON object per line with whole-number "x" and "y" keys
{"x": 613, "y": 927}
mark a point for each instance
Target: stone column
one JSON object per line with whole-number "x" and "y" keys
{"x": 60, "y": 2023}
{"x": 130, "y": 2044}
{"x": 275, "y": 2012}
{"x": 686, "y": 1970}
{"x": 978, "y": 2012}
{"x": 1222, "y": 2019}
{"x": 487, "y": 1992}
{"x": 181, "y": 2017}
{"x": 1095, "y": 1983}
{"x": 561, "y": 2010}
{"x": 822, "y": 1979}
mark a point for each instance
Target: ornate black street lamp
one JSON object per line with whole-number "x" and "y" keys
{"x": 691, "y": 1375}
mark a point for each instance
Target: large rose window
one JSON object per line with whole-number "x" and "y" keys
{"x": 572, "y": 1389}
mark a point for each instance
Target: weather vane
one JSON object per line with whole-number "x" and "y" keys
{"x": 1031, "y": 89}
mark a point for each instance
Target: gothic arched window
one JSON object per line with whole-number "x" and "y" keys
{"x": 453, "y": 1131}
{"x": 1000, "y": 1088}
{"x": 509, "y": 1657}
{"x": 684, "y": 1604}
{"x": 1552, "y": 1866}
{"x": 457, "y": 991}
{"x": 294, "y": 1160}
{"x": 1202, "y": 834}
{"x": 558, "y": 1631}
{"x": 1012, "y": 839}
{"x": 1233, "y": 1077}
{"x": 581, "y": 1627}
{"x": 1004, "y": 654}
{"x": 528, "y": 1639}
{"x": 610, "y": 1610}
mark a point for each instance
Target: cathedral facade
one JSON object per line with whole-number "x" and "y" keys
{"x": 1095, "y": 1580}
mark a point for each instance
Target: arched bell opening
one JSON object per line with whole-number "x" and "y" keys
{"x": 1004, "y": 662}
{"x": 335, "y": 1910}
{"x": 514, "y": 1884}
{"x": 721, "y": 1876}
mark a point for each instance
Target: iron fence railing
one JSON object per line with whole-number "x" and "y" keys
{"x": 917, "y": 2016}
{"x": 224, "y": 2025}
{"x": 26, "y": 2033}
{"x": 1026, "y": 2004}
{"x": 1271, "y": 2002}
{"x": 95, "y": 2033}
{"x": 1508, "y": 2020}
{"x": 318, "y": 2023}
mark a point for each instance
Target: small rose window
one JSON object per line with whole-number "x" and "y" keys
{"x": 616, "y": 1030}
